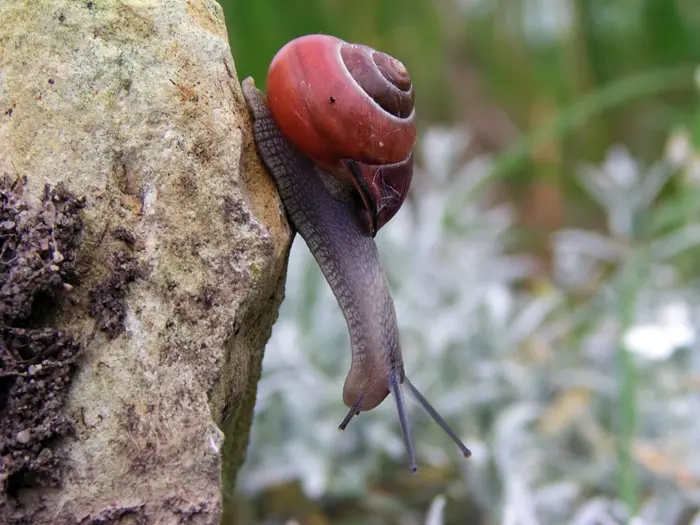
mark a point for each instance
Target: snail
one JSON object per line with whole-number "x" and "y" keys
{"x": 336, "y": 130}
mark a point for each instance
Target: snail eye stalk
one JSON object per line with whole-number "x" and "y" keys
{"x": 395, "y": 388}
{"x": 436, "y": 417}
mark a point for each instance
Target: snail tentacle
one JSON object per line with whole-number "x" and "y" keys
{"x": 395, "y": 387}
{"x": 425, "y": 404}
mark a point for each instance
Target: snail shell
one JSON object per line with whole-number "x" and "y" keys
{"x": 350, "y": 109}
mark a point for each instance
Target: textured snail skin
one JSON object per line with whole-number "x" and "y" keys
{"x": 347, "y": 257}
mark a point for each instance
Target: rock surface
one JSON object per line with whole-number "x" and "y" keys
{"x": 136, "y": 106}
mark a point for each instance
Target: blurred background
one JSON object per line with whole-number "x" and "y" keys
{"x": 545, "y": 269}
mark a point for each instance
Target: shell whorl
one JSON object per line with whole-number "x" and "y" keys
{"x": 383, "y": 77}
{"x": 336, "y": 100}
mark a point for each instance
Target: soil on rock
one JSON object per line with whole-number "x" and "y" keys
{"x": 108, "y": 298}
{"x": 38, "y": 248}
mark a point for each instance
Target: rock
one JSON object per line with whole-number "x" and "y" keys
{"x": 23, "y": 436}
{"x": 170, "y": 296}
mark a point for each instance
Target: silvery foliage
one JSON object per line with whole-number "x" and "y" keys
{"x": 529, "y": 382}
{"x": 631, "y": 263}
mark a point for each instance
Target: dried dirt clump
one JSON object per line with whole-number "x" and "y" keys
{"x": 108, "y": 298}
{"x": 38, "y": 248}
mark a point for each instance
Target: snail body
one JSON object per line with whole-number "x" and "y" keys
{"x": 336, "y": 130}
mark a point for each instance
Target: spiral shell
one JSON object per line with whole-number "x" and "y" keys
{"x": 349, "y": 108}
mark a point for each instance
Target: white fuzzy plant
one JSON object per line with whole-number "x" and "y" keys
{"x": 449, "y": 290}
{"x": 533, "y": 404}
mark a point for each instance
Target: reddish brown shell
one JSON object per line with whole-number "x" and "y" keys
{"x": 350, "y": 108}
